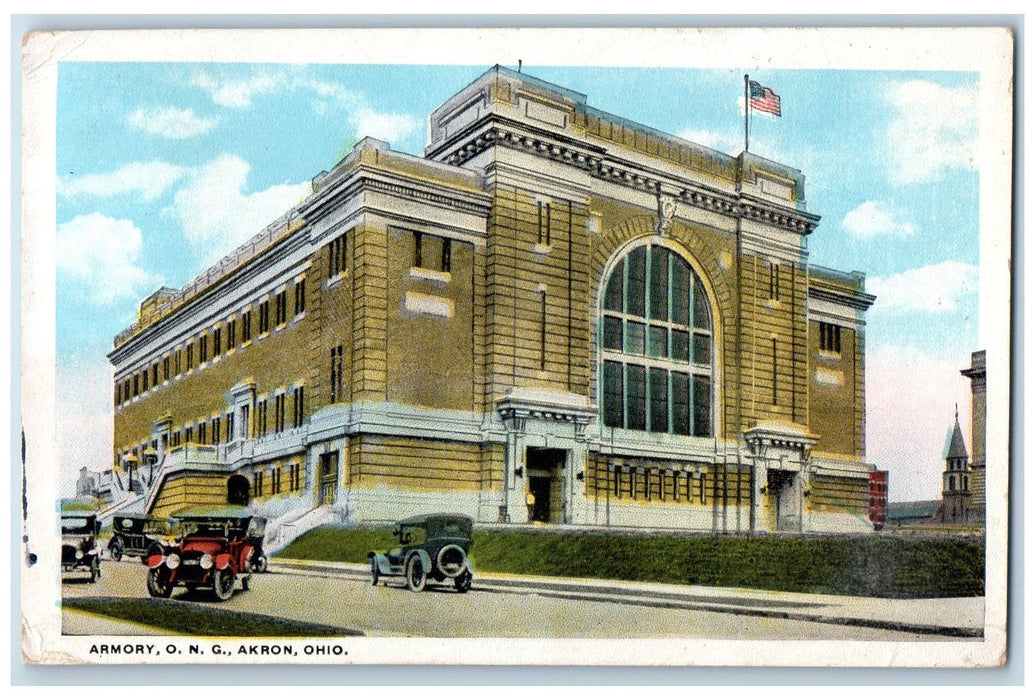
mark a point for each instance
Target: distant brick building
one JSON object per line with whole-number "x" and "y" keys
{"x": 555, "y": 315}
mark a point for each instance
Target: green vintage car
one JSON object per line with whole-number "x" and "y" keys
{"x": 79, "y": 549}
{"x": 434, "y": 547}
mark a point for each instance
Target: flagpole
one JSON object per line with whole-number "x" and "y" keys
{"x": 747, "y": 112}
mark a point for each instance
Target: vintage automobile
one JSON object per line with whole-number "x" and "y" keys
{"x": 217, "y": 547}
{"x": 137, "y": 535}
{"x": 79, "y": 548}
{"x": 432, "y": 547}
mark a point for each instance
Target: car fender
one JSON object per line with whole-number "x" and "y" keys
{"x": 155, "y": 560}
{"x": 425, "y": 560}
{"x": 381, "y": 562}
{"x": 223, "y": 560}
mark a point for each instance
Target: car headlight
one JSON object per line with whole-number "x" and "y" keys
{"x": 78, "y": 554}
{"x": 206, "y": 561}
{"x": 172, "y": 560}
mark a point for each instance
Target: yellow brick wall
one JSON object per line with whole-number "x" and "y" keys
{"x": 190, "y": 489}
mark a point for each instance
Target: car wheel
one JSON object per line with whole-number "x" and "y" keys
{"x": 158, "y": 584}
{"x": 375, "y": 573}
{"x": 261, "y": 564}
{"x": 416, "y": 576}
{"x": 115, "y": 549}
{"x": 462, "y": 583}
{"x": 223, "y": 583}
{"x": 452, "y": 561}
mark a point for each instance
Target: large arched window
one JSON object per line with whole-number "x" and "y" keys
{"x": 656, "y": 345}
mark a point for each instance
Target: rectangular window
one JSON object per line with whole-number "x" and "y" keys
{"x": 299, "y": 406}
{"x": 635, "y": 290}
{"x": 418, "y": 249}
{"x": 680, "y": 346}
{"x": 337, "y": 380}
{"x": 702, "y": 349}
{"x": 282, "y": 307}
{"x": 258, "y": 483}
{"x": 658, "y": 283}
{"x": 264, "y": 317}
{"x": 635, "y": 397}
{"x": 202, "y": 433}
{"x": 118, "y": 393}
{"x": 144, "y": 377}
{"x": 680, "y": 293}
{"x": 702, "y": 406}
{"x": 830, "y": 337}
{"x": 680, "y": 403}
{"x": 774, "y": 281}
{"x": 136, "y": 385}
{"x": 230, "y": 426}
{"x": 275, "y": 481}
{"x": 260, "y": 418}
{"x": 336, "y": 258}
{"x": 613, "y": 395}
{"x": 154, "y": 374}
{"x": 657, "y": 342}
{"x": 203, "y": 349}
{"x": 634, "y": 337}
{"x": 217, "y": 342}
{"x": 165, "y": 368}
{"x": 217, "y": 433}
{"x": 545, "y": 222}
{"x": 299, "y": 297}
{"x": 190, "y": 356}
{"x": 278, "y": 415}
{"x": 447, "y": 254}
{"x": 188, "y": 435}
{"x": 658, "y": 400}
{"x": 612, "y": 333}
{"x": 231, "y": 334}
{"x": 246, "y": 326}
{"x": 618, "y": 481}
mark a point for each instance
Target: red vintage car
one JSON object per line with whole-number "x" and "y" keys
{"x": 217, "y": 548}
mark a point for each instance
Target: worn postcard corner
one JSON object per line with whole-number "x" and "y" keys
{"x": 522, "y": 342}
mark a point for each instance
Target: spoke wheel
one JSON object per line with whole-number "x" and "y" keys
{"x": 223, "y": 583}
{"x": 116, "y": 551}
{"x": 416, "y": 576}
{"x": 158, "y": 584}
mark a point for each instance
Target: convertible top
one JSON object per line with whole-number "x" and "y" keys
{"x": 434, "y": 518}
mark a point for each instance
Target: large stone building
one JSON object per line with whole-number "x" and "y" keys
{"x": 555, "y": 315}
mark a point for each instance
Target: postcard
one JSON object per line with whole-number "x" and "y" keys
{"x": 624, "y": 347}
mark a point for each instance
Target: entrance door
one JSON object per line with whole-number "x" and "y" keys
{"x": 546, "y": 484}
{"x": 328, "y": 485}
{"x": 784, "y": 487}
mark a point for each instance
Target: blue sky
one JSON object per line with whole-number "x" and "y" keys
{"x": 163, "y": 167}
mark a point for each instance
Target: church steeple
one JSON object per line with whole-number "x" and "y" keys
{"x": 956, "y": 477}
{"x": 957, "y": 449}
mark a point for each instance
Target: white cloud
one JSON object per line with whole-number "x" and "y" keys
{"x": 150, "y": 180}
{"x": 85, "y": 426}
{"x": 933, "y": 130}
{"x": 239, "y": 93}
{"x": 171, "y": 123}
{"x": 383, "y": 125}
{"x": 911, "y": 398}
{"x": 871, "y": 219}
{"x": 712, "y": 139}
{"x": 101, "y": 254}
{"x": 932, "y": 288}
{"x": 217, "y": 215}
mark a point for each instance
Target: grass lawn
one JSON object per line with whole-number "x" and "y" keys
{"x": 871, "y": 565}
{"x": 200, "y": 620}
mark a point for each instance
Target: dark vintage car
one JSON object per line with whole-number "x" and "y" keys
{"x": 218, "y": 547}
{"x": 137, "y": 535}
{"x": 432, "y": 547}
{"x": 79, "y": 549}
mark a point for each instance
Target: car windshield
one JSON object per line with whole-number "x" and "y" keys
{"x": 77, "y": 526}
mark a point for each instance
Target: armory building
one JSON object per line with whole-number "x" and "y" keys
{"x": 555, "y": 315}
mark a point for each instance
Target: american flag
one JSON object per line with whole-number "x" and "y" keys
{"x": 763, "y": 99}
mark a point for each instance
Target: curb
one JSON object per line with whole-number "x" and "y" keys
{"x": 630, "y": 594}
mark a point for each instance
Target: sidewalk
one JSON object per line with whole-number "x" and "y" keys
{"x": 956, "y": 617}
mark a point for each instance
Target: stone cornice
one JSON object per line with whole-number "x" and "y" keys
{"x": 857, "y": 300}
{"x": 493, "y": 130}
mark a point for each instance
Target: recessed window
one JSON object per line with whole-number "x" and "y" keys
{"x": 336, "y": 256}
{"x": 246, "y": 326}
{"x": 264, "y": 317}
{"x": 656, "y": 345}
{"x": 281, "y": 300}
{"x": 829, "y": 337}
{"x": 299, "y": 296}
